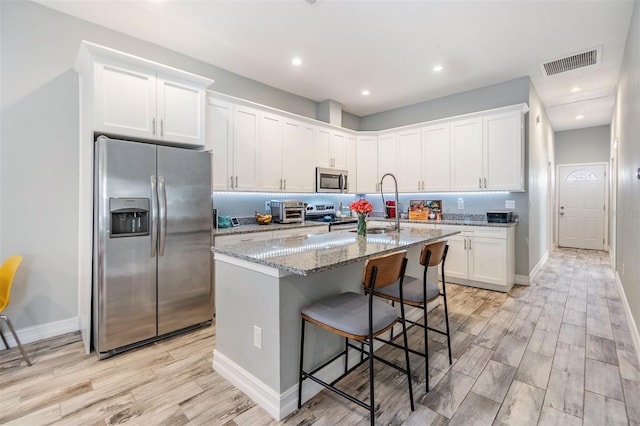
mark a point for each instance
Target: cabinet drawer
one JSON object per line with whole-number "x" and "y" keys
{"x": 477, "y": 231}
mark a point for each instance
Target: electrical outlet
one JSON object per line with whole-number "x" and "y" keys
{"x": 257, "y": 337}
{"x": 509, "y": 204}
{"x": 267, "y": 206}
{"x": 460, "y": 204}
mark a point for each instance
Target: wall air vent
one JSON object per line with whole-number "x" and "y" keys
{"x": 579, "y": 60}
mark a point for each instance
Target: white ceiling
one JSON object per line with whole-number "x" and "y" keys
{"x": 389, "y": 47}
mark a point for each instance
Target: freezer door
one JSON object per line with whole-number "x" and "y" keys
{"x": 185, "y": 292}
{"x": 124, "y": 283}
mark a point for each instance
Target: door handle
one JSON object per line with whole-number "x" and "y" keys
{"x": 154, "y": 217}
{"x": 162, "y": 210}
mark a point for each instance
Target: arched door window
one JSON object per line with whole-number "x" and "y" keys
{"x": 581, "y": 175}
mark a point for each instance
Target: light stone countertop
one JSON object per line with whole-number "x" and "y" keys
{"x": 251, "y": 228}
{"x": 449, "y": 222}
{"x": 310, "y": 254}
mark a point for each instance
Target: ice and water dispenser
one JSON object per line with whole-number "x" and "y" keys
{"x": 129, "y": 217}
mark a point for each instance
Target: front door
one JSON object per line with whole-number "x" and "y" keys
{"x": 581, "y": 206}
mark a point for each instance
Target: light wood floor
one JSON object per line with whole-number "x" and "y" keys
{"x": 558, "y": 352}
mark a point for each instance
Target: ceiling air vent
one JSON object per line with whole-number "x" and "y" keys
{"x": 573, "y": 62}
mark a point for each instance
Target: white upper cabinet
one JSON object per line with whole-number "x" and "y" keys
{"x": 322, "y": 147}
{"x": 220, "y": 142}
{"x": 245, "y": 149}
{"x": 410, "y": 161}
{"x": 387, "y": 154}
{"x": 367, "y": 168}
{"x": 503, "y": 151}
{"x": 141, "y": 99}
{"x": 270, "y": 152}
{"x": 125, "y": 101}
{"x": 352, "y": 163}
{"x": 466, "y": 154}
{"x": 298, "y": 161}
{"x": 338, "y": 149}
{"x": 435, "y": 164}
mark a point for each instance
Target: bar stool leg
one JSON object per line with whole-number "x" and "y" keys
{"x": 301, "y": 358}
{"x": 446, "y": 315}
{"x": 426, "y": 347}
{"x": 406, "y": 355}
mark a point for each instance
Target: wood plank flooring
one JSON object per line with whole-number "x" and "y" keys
{"x": 556, "y": 352}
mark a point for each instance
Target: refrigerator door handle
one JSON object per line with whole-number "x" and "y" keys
{"x": 154, "y": 217}
{"x": 162, "y": 210}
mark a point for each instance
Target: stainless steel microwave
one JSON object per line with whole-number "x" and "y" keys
{"x": 331, "y": 180}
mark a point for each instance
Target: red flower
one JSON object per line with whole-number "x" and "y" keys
{"x": 361, "y": 206}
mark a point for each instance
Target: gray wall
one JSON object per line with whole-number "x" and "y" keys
{"x": 39, "y": 147}
{"x": 588, "y": 145}
{"x": 626, "y": 130}
{"x": 507, "y": 93}
{"x": 541, "y": 181}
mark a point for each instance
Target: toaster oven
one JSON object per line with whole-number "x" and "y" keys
{"x": 287, "y": 211}
{"x": 499, "y": 217}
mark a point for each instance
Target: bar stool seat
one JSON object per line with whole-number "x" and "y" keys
{"x": 349, "y": 313}
{"x": 413, "y": 291}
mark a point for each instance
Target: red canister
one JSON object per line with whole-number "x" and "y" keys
{"x": 390, "y": 209}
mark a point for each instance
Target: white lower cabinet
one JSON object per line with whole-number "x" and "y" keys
{"x": 481, "y": 256}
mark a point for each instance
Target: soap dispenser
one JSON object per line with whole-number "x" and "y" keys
{"x": 338, "y": 212}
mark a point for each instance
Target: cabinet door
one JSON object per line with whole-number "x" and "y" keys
{"x": 488, "y": 260}
{"x": 410, "y": 161}
{"x": 245, "y": 144}
{"x": 352, "y": 163}
{"x": 298, "y": 163}
{"x": 180, "y": 112}
{"x": 220, "y": 142}
{"x": 338, "y": 150}
{"x": 435, "y": 142}
{"x": 367, "y": 169}
{"x": 322, "y": 145}
{"x": 125, "y": 101}
{"x": 387, "y": 157}
{"x": 465, "y": 152}
{"x": 455, "y": 265}
{"x": 270, "y": 153}
{"x": 503, "y": 152}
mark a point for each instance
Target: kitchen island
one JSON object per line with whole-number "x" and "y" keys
{"x": 260, "y": 289}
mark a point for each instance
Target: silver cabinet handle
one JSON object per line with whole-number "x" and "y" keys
{"x": 162, "y": 210}
{"x": 469, "y": 243}
{"x": 236, "y": 181}
{"x": 485, "y": 183}
{"x": 154, "y": 217}
{"x": 465, "y": 243}
{"x": 280, "y": 183}
{"x": 153, "y": 126}
{"x": 231, "y": 182}
{"x": 480, "y": 183}
{"x": 162, "y": 127}
{"x": 285, "y": 184}
{"x": 423, "y": 185}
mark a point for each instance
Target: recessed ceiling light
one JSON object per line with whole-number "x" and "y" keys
{"x": 365, "y": 92}
{"x": 579, "y": 117}
{"x": 576, "y": 89}
{"x": 438, "y": 68}
{"x": 296, "y": 62}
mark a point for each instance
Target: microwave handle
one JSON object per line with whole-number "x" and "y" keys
{"x": 342, "y": 183}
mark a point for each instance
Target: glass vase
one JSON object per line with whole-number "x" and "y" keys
{"x": 362, "y": 224}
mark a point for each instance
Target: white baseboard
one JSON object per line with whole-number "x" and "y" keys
{"x": 633, "y": 329}
{"x": 536, "y": 269}
{"x": 40, "y": 332}
{"x": 280, "y": 405}
{"x": 522, "y": 279}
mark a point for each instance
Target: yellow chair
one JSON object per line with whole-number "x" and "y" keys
{"x": 7, "y": 272}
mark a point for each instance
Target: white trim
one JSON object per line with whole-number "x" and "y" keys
{"x": 536, "y": 269}
{"x": 522, "y": 279}
{"x": 43, "y": 331}
{"x": 633, "y": 328}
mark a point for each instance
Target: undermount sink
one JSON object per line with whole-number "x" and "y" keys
{"x": 375, "y": 230}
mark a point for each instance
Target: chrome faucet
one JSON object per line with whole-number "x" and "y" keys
{"x": 397, "y": 225}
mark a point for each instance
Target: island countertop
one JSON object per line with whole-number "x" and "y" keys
{"x": 310, "y": 254}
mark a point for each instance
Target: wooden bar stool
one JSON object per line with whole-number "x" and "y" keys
{"x": 418, "y": 293}
{"x": 359, "y": 317}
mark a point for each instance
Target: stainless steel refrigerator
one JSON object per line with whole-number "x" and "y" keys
{"x": 152, "y": 242}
